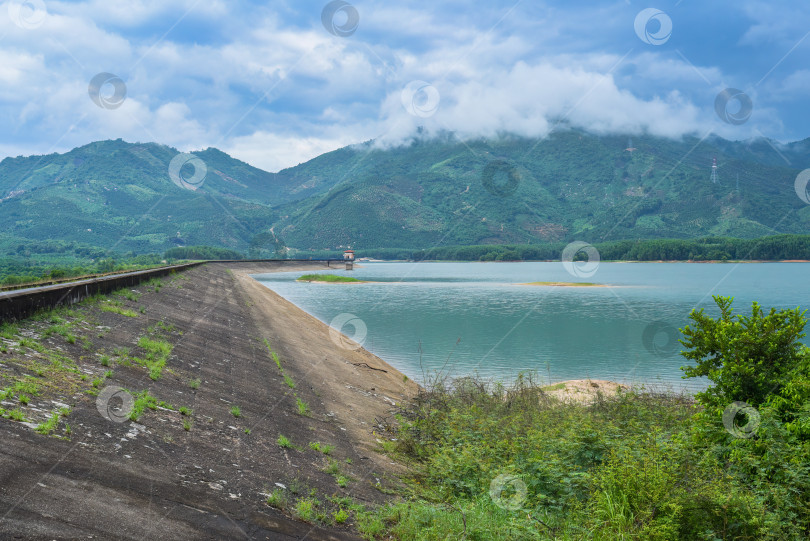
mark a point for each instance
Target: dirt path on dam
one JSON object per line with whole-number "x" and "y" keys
{"x": 223, "y": 424}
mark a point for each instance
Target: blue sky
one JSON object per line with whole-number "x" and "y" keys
{"x": 270, "y": 84}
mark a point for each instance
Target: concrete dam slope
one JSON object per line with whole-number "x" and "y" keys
{"x": 156, "y": 413}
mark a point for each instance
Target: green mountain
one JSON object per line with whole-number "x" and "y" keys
{"x": 569, "y": 186}
{"x": 117, "y": 196}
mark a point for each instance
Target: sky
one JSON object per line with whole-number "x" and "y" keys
{"x": 278, "y": 83}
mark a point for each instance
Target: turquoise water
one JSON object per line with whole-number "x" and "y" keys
{"x": 468, "y": 318}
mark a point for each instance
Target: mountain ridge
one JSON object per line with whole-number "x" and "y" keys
{"x": 570, "y": 185}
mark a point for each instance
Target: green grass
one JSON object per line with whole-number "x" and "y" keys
{"x": 16, "y": 415}
{"x": 506, "y": 462}
{"x": 289, "y": 381}
{"x": 277, "y": 499}
{"x": 303, "y": 407}
{"x": 273, "y": 355}
{"x": 326, "y": 278}
{"x": 105, "y": 307}
{"x": 321, "y": 448}
{"x": 194, "y": 384}
{"x": 284, "y": 442}
{"x": 157, "y": 353}
{"x": 48, "y": 426}
{"x": 143, "y": 400}
{"x": 332, "y": 468}
{"x": 127, "y": 294}
{"x": 236, "y": 412}
{"x": 187, "y": 424}
{"x": 184, "y": 410}
{"x": 305, "y": 509}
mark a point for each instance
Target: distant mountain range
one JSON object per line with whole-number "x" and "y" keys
{"x": 118, "y": 196}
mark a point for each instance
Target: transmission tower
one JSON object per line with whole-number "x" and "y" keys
{"x": 714, "y": 170}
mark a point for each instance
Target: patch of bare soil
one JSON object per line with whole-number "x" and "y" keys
{"x": 584, "y": 391}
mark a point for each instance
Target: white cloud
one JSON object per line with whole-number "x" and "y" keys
{"x": 269, "y": 84}
{"x": 529, "y": 100}
{"x": 273, "y": 152}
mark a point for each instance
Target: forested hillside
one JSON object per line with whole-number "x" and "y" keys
{"x": 113, "y": 197}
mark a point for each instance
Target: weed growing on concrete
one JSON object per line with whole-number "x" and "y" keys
{"x": 277, "y": 499}
{"x": 48, "y": 426}
{"x": 16, "y": 415}
{"x": 143, "y": 400}
{"x": 305, "y": 509}
{"x": 303, "y": 407}
{"x": 321, "y": 447}
{"x": 194, "y": 384}
{"x": 284, "y": 442}
{"x": 236, "y": 412}
{"x": 157, "y": 353}
{"x": 107, "y": 307}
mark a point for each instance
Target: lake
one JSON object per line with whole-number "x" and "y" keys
{"x": 475, "y": 318}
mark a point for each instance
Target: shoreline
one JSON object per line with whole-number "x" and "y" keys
{"x": 354, "y": 385}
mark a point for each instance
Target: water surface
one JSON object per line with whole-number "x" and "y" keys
{"x": 473, "y": 318}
